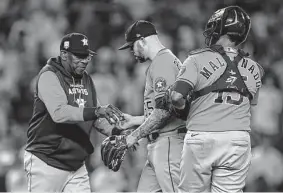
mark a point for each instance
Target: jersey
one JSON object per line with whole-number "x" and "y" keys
{"x": 219, "y": 111}
{"x": 161, "y": 74}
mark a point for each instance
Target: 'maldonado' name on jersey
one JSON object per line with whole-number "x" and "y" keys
{"x": 220, "y": 111}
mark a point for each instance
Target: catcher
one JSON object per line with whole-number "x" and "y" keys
{"x": 222, "y": 84}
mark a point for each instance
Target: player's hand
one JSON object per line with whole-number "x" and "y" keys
{"x": 131, "y": 141}
{"x": 127, "y": 132}
{"x": 111, "y": 113}
{"x": 127, "y": 123}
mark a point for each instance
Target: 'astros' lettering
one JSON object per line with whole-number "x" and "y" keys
{"x": 77, "y": 90}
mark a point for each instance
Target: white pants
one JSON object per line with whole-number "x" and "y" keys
{"x": 215, "y": 161}
{"x": 45, "y": 178}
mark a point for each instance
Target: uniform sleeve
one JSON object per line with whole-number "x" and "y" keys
{"x": 187, "y": 77}
{"x": 163, "y": 74}
{"x": 255, "y": 98}
{"x": 261, "y": 70}
{"x": 188, "y": 72}
{"x": 254, "y": 101}
{"x": 52, "y": 94}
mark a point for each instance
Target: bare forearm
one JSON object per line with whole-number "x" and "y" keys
{"x": 138, "y": 120}
{"x": 103, "y": 126}
{"x": 155, "y": 121}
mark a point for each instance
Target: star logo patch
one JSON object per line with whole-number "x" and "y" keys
{"x": 85, "y": 42}
{"x": 160, "y": 84}
{"x": 81, "y": 103}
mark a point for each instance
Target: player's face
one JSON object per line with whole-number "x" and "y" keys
{"x": 78, "y": 64}
{"x": 139, "y": 51}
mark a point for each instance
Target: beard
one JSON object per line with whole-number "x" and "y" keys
{"x": 140, "y": 59}
{"x": 77, "y": 75}
{"x": 139, "y": 56}
{"x": 77, "y": 72}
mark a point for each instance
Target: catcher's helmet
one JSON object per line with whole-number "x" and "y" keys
{"x": 232, "y": 21}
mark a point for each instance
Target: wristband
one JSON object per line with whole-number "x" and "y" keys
{"x": 89, "y": 113}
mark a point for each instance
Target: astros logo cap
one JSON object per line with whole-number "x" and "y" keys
{"x": 140, "y": 28}
{"x": 77, "y": 44}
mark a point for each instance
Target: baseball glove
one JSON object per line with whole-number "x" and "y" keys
{"x": 113, "y": 151}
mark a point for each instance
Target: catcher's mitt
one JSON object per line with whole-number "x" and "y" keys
{"x": 113, "y": 150}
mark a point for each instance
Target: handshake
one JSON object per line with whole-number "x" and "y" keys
{"x": 111, "y": 113}
{"x": 116, "y": 117}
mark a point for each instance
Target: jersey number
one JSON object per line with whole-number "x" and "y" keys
{"x": 148, "y": 107}
{"x": 228, "y": 99}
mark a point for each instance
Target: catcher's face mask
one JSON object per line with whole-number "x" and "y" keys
{"x": 232, "y": 20}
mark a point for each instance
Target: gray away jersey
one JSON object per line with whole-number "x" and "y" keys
{"x": 219, "y": 111}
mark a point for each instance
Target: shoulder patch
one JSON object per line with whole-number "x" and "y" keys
{"x": 160, "y": 84}
{"x": 200, "y": 50}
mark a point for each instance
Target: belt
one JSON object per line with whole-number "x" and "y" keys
{"x": 153, "y": 136}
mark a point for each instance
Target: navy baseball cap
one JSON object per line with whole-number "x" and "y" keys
{"x": 137, "y": 30}
{"x": 77, "y": 44}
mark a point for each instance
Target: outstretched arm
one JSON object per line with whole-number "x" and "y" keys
{"x": 131, "y": 121}
{"x": 103, "y": 126}
{"x": 156, "y": 120}
{"x": 165, "y": 106}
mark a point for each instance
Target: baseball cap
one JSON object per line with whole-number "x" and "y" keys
{"x": 76, "y": 43}
{"x": 137, "y": 30}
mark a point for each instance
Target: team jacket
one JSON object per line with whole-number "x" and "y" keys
{"x": 63, "y": 143}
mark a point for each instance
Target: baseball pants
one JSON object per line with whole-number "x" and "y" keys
{"x": 162, "y": 168}
{"x": 45, "y": 178}
{"x": 215, "y": 161}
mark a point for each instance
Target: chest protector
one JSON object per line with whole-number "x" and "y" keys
{"x": 221, "y": 83}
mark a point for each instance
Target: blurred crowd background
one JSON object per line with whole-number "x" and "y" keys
{"x": 30, "y": 33}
